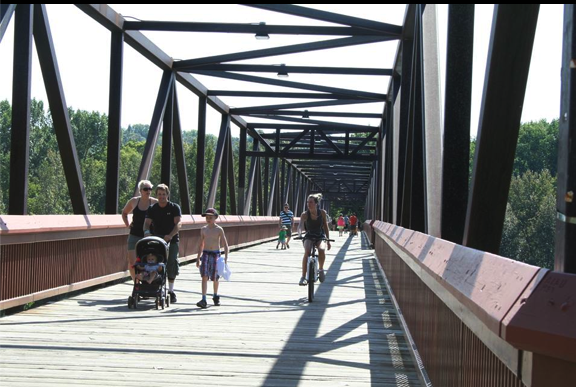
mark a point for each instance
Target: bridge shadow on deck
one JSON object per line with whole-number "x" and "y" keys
{"x": 388, "y": 356}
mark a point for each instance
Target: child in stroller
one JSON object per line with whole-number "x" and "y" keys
{"x": 150, "y": 268}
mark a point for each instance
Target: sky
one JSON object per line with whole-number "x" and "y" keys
{"x": 82, "y": 49}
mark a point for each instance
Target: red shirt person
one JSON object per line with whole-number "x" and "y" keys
{"x": 353, "y": 223}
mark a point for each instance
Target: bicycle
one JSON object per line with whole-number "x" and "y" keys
{"x": 312, "y": 264}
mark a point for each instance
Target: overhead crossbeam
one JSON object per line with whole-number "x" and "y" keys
{"x": 295, "y": 69}
{"x": 330, "y": 17}
{"x": 291, "y": 49}
{"x": 291, "y": 84}
{"x": 242, "y": 28}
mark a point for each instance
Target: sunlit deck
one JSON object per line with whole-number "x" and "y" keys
{"x": 264, "y": 334}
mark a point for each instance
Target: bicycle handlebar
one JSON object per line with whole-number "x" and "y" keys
{"x": 317, "y": 239}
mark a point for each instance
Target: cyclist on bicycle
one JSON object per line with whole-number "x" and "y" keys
{"x": 314, "y": 222}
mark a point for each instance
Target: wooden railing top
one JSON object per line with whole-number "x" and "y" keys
{"x": 36, "y": 228}
{"x": 532, "y": 308}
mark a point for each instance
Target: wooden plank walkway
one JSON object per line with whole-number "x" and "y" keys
{"x": 264, "y": 334}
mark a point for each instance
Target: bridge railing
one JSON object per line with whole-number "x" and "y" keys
{"x": 479, "y": 319}
{"x": 43, "y": 256}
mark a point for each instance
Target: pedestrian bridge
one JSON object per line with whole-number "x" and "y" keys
{"x": 476, "y": 319}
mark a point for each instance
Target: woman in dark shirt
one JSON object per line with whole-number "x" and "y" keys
{"x": 138, "y": 206}
{"x": 315, "y": 224}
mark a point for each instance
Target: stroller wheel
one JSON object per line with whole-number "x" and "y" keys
{"x": 157, "y": 303}
{"x": 167, "y": 301}
{"x": 135, "y": 302}
{"x": 130, "y": 302}
{"x": 162, "y": 303}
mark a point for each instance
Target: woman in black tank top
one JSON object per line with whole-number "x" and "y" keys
{"x": 315, "y": 224}
{"x": 138, "y": 206}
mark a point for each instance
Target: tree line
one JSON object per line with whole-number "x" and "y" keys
{"x": 47, "y": 188}
{"x": 529, "y": 226}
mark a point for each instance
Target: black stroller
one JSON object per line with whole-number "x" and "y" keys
{"x": 157, "y": 288}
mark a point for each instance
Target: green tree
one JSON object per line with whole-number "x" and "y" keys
{"x": 5, "y": 125}
{"x": 537, "y": 147}
{"x": 47, "y": 190}
{"x": 130, "y": 158}
{"x": 529, "y": 226}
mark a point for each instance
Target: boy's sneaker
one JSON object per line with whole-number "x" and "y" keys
{"x": 277, "y": 247}
{"x": 172, "y": 297}
{"x": 216, "y": 300}
{"x": 322, "y": 276}
{"x": 287, "y": 246}
{"x": 302, "y": 281}
{"x": 202, "y": 304}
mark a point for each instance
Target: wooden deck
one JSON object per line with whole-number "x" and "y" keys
{"x": 264, "y": 334}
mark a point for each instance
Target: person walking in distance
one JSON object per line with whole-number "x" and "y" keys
{"x": 287, "y": 220}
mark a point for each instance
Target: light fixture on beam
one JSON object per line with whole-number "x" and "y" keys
{"x": 262, "y": 35}
{"x": 282, "y": 73}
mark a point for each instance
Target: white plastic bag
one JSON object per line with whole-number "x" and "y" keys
{"x": 222, "y": 269}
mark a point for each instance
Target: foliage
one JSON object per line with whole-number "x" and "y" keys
{"x": 529, "y": 226}
{"x": 47, "y": 189}
{"x": 537, "y": 148}
{"x": 530, "y": 219}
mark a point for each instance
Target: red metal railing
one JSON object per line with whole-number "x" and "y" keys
{"x": 478, "y": 319}
{"x": 46, "y": 255}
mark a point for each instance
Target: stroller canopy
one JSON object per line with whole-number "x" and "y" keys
{"x": 154, "y": 245}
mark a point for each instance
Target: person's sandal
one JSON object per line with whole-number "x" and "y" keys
{"x": 302, "y": 281}
{"x": 321, "y": 276}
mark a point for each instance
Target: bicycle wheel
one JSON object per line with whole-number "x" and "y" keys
{"x": 311, "y": 279}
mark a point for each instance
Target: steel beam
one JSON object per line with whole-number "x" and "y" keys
{"x": 509, "y": 54}
{"x": 186, "y": 65}
{"x": 114, "y": 121}
{"x": 242, "y": 171}
{"x": 6, "y": 11}
{"x": 457, "y": 107}
{"x": 159, "y": 108}
{"x": 224, "y": 132}
{"x": 331, "y": 17}
{"x": 200, "y": 155}
{"x": 565, "y": 250}
{"x": 59, "y": 110}
{"x": 20, "y": 126}
{"x": 238, "y": 28}
{"x": 372, "y": 97}
{"x": 180, "y": 158}
{"x": 296, "y": 69}
{"x": 167, "y": 129}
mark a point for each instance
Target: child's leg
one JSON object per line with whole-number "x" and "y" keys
{"x": 216, "y": 283}
{"x": 204, "y": 286}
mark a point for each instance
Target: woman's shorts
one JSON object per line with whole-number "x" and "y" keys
{"x": 132, "y": 240}
{"x": 208, "y": 264}
{"x": 340, "y": 228}
{"x": 320, "y": 245}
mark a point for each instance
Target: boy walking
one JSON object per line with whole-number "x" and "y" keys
{"x": 211, "y": 238}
